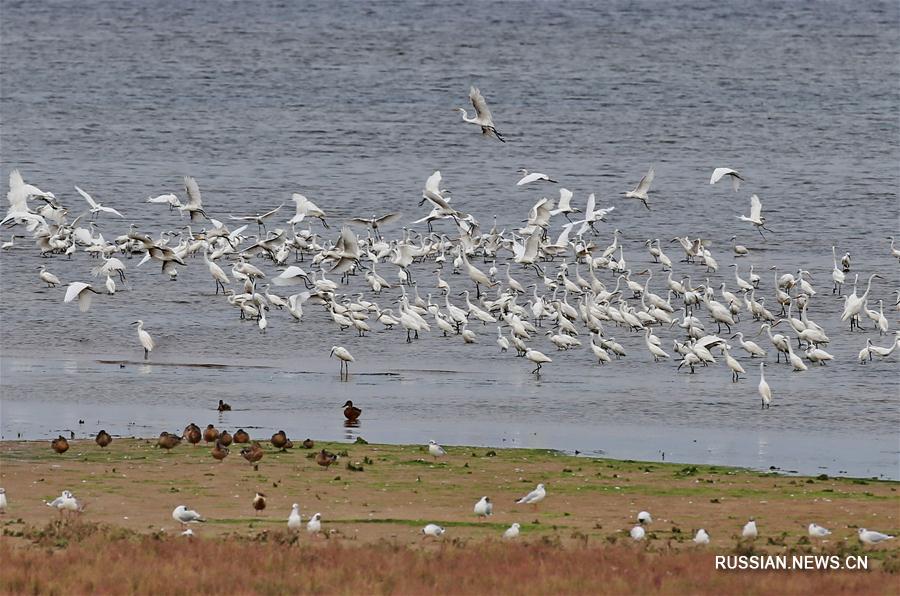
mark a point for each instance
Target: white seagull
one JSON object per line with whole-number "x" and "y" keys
{"x": 484, "y": 507}
{"x": 3, "y": 503}
{"x": 185, "y": 516}
{"x": 512, "y": 532}
{"x": 749, "y": 530}
{"x": 872, "y": 537}
{"x": 315, "y": 524}
{"x": 637, "y": 533}
{"x": 433, "y": 530}
{"x": 534, "y": 497}
{"x": 435, "y": 450}
{"x": 294, "y": 520}
{"x": 482, "y": 116}
{"x": 644, "y": 518}
{"x": 702, "y": 537}
{"x": 817, "y": 531}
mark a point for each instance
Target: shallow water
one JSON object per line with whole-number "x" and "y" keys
{"x": 350, "y": 105}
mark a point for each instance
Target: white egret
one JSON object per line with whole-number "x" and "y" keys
{"x": 765, "y": 392}
{"x": 720, "y": 173}
{"x": 95, "y": 206}
{"x": 837, "y": 276}
{"x": 306, "y": 208}
{"x": 48, "y": 278}
{"x": 345, "y": 358}
{"x": 538, "y": 358}
{"x": 529, "y": 177}
{"x": 146, "y": 341}
{"x": 643, "y": 187}
{"x": 853, "y": 304}
{"x": 502, "y": 341}
{"x": 82, "y": 292}
{"x": 482, "y": 117}
{"x": 756, "y": 217}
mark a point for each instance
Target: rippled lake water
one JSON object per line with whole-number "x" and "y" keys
{"x": 350, "y": 103}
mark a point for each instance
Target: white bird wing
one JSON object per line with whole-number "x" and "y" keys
{"x": 386, "y": 219}
{"x": 565, "y": 198}
{"x": 73, "y": 290}
{"x": 531, "y": 246}
{"x": 529, "y": 497}
{"x": 481, "y": 107}
{"x": 718, "y": 173}
{"x": 433, "y": 183}
{"x": 529, "y": 178}
{"x": 289, "y": 276}
{"x": 644, "y": 185}
{"x": 111, "y": 210}
{"x": 87, "y": 198}
{"x": 755, "y": 208}
{"x": 272, "y": 212}
{"x": 591, "y": 203}
{"x": 193, "y": 192}
{"x": 563, "y": 238}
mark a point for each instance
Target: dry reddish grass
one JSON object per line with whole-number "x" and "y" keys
{"x": 105, "y": 560}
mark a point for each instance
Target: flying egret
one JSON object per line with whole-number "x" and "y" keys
{"x": 720, "y": 173}
{"x": 345, "y": 358}
{"x": 82, "y": 292}
{"x": 756, "y": 217}
{"x": 194, "y": 206}
{"x": 529, "y": 177}
{"x": 765, "y": 392}
{"x": 306, "y": 208}
{"x": 643, "y": 187}
{"x": 95, "y": 206}
{"x": 482, "y": 117}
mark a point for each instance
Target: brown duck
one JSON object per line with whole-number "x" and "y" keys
{"x": 279, "y": 440}
{"x": 60, "y": 444}
{"x": 225, "y": 438}
{"x": 253, "y": 454}
{"x": 308, "y": 444}
{"x": 103, "y": 439}
{"x": 325, "y": 458}
{"x": 351, "y": 412}
{"x": 220, "y": 452}
{"x": 241, "y": 436}
{"x": 210, "y": 434}
{"x": 192, "y": 434}
{"x": 259, "y": 501}
{"x": 168, "y": 441}
{"x": 223, "y": 407}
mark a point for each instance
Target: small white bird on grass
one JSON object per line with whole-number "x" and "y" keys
{"x": 720, "y": 173}
{"x": 433, "y": 530}
{"x": 643, "y": 187}
{"x": 644, "y": 518}
{"x": 345, "y": 358}
{"x": 66, "y": 503}
{"x": 295, "y": 522}
{"x": 435, "y": 450}
{"x": 534, "y": 497}
{"x": 749, "y": 530}
{"x": 484, "y": 507}
{"x": 185, "y": 516}
{"x": 872, "y": 537}
{"x": 701, "y": 537}
{"x": 3, "y": 503}
{"x": 315, "y": 524}
{"x": 512, "y": 532}
{"x": 638, "y": 533}
{"x": 146, "y": 341}
{"x": 817, "y": 531}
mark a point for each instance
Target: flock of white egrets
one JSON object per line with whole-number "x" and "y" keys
{"x": 551, "y": 272}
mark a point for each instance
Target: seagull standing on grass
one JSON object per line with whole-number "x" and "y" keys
{"x": 534, "y": 497}
{"x": 484, "y": 507}
{"x": 294, "y": 520}
{"x": 817, "y": 531}
{"x": 435, "y": 450}
{"x": 872, "y": 537}
{"x": 749, "y": 530}
{"x": 185, "y": 516}
{"x": 433, "y": 530}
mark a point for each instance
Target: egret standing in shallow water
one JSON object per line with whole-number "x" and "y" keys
{"x": 764, "y": 391}
{"x": 538, "y": 358}
{"x": 345, "y": 357}
{"x": 145, "y": 339}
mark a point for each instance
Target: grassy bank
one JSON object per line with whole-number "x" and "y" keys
{"x": 379, "y": 496}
